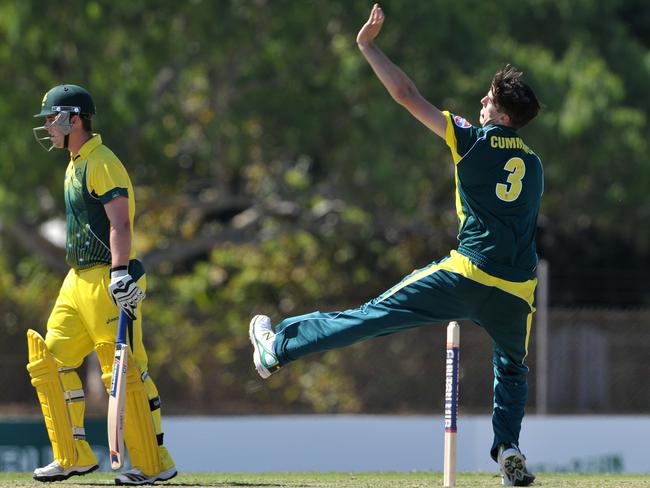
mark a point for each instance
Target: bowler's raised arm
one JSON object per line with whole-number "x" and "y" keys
{"x": 398, "y": 84}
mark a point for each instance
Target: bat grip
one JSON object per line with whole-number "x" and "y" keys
{"x": 122, "y": 324}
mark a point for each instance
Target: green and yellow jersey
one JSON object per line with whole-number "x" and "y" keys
{"x": 93, "y": 178}
{"x": 499, "y": 184}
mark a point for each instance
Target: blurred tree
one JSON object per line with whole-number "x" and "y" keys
{"x": 273, "y": 172}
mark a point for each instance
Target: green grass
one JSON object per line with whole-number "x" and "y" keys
{"x": 343, "y": 480}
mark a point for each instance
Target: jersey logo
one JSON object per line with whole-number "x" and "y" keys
{"x": 461, "y": 122}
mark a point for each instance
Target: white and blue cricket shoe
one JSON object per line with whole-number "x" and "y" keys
{"x": 263, "y": 339}
{"x": 55, "y": 472}
{"x": 135, "y": 477}
{"x": 513, "y": 467}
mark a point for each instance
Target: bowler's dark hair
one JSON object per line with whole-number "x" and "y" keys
{"x": 514, "y": 97}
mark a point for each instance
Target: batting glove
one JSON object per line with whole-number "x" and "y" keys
{"x": 124, "y": 291}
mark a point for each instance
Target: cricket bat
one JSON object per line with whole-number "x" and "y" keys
{"x": 117, "y": 396}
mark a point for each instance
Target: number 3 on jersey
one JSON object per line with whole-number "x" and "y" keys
{"x": 509, "y": 192}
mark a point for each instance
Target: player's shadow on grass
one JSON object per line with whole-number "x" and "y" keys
{"x": 240, "y": 483}
{"x": 177, "y": 483}
{"x": 232, "y": 483}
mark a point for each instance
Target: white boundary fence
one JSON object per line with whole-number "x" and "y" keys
{"x": 356, "y": 443}
{"x": 401, "y": 443}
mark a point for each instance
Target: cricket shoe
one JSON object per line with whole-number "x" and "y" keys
{"x": 54, "y": 471}
{"x": 135, "y": 477}
{"x": 513, "y": 467}
{"x": 263, "y": 339}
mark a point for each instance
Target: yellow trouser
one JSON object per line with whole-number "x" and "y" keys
{"x": 84, "y": 318}
{"x": 85, "y": 315}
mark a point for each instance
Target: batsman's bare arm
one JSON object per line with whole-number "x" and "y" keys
{"x": 123, "y": 289}
{"x": 398, "y": 84}
{"x": 117, "y": 211}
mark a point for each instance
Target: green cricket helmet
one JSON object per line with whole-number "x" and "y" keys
{"x": 71, "y": 98}
{"x": 62, "y": 101}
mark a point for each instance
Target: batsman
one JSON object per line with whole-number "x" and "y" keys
{"x": 104, "y": 277}
{"x": 489, "y": 278}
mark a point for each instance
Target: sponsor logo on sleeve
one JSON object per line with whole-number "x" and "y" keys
{"x": 461, "y": 122}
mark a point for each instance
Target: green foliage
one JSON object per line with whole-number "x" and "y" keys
{"x": 221, "y": 108}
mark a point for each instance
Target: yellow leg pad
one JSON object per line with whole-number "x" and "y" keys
{"x": 166, "y": 460}
{"x": 43, "y": 369}
{"x": 76, "y": 402}
{"x": 139, "y": 428}
{"x": 106, "y": 354}
{"x": 152, "y": 393}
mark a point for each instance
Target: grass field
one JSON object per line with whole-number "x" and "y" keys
{"x": 343, "y": 480}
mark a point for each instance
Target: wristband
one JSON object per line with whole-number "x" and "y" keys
{"x": 119, "y": 271}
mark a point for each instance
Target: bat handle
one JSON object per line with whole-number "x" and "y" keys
{"x": 121, "y": 328}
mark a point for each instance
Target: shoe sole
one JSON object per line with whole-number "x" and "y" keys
{"x": 516, "y": 464}
{"x": 62, "y": 477}
{"x": 146, "y": 482}
{"x": 173, "y": 475}
{"x": 257, "y": 359}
